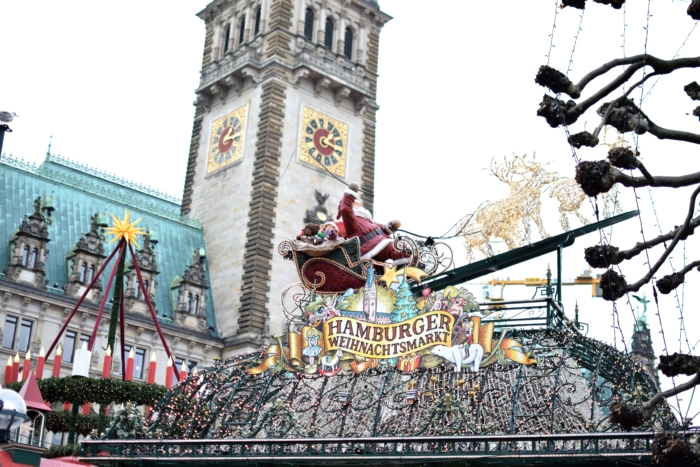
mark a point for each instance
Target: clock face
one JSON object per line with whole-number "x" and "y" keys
{"x": 227, "y": 139}
{"x": 324, "y": 141}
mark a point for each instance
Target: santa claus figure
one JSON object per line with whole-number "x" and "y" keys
{"x": 375, "y": 240}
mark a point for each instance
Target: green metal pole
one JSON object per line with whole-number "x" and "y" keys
{"x": 116, "y": 298}
{"x": 72, "y": 423}
{"x": 560, "y": 258}
{"x": 111, "y": 336}
{"x": 549, "y": 295}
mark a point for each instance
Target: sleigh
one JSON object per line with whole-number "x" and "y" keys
{"x": 336, "y": 266}
{"x": 329, "y": 268}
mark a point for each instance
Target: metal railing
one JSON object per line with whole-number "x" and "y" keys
{"x": 374, "y": 450}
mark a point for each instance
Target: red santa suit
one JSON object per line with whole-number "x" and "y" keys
{"x": 375, "y": 241}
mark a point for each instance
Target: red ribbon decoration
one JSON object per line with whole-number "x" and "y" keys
{"x": 120, "y": 246}
{"x": 150, "y": 308}
{"x": 80, "y": 301}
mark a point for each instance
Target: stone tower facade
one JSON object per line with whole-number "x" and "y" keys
{"x": 369, "y": 301}
{"x": 642, "y": 349}
{"x": 286, "y": 104}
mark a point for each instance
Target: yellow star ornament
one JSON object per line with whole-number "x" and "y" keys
{"x": 416, "y": 274}
{"x": 125, "y": 229}
{"x": 389, "y": 276}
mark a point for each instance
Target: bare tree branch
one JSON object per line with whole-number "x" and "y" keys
{"x": 596, "y": 132}
{"x": 689, "y": 267}
{"x": 672, "y": 281}
{"x": 571, "y": 112}
{"x": 661, "y": 181}
{"x": 604, "y": 256}
{"x": 584, "y": 105}
{"x": 659, "y": 66}
{"x": 649, "y": 405}
{"x": 664, "y": 133}
{"x": 664, "y": 256}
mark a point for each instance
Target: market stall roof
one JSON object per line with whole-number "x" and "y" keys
{"x": 32, "y": 395}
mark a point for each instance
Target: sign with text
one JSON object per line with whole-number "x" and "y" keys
{"x": 379, "y": 341}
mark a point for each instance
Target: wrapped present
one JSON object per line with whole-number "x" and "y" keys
{"x": 408, "y": 363}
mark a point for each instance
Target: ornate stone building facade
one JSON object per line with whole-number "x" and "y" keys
{"x": 67, "y": 206}
{"x": 86, "y": 259}
{"x": 286, "y": 106}
{"x": 28, "y": 250}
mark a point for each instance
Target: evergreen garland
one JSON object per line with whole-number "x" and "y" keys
{"x": 98, "y": 390}
{"x": 61, "y": 451}
{"x": 58, "y": 422}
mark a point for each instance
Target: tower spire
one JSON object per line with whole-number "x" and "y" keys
{"x": 48, "y": 150}
{"x": 642, "y": 349}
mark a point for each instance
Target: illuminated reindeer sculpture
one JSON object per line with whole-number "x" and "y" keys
{"x": 510, "y": 218}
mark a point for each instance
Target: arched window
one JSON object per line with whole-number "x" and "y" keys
{"x": 188, "y": 302}
{"x": 145, "y": 283}
{"x": 241, "y": 32}
{"x": 227, "y": 37}
{"x": 347, "y": 47}
{"x": 328, "y": 38}
{"x": 32, "y": 258}
{"x": 91, "y": 273}
{"x": 309, "y": 25}
{"x": 258, "y": 13}
{"x": 83, "y": 271}
{"x": 196, "y": 305}
{"x": 25, "y": 255}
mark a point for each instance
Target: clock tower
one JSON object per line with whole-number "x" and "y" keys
{"x": 286, "y": 107}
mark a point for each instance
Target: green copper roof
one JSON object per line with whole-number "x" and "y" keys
{"x": 78, "y": 192}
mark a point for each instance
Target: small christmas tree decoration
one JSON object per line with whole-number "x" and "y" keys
{"x": 405, "y": 306}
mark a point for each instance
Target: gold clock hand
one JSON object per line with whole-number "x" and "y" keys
{"x": 229, "y": 135}
{"x": 328, "y": 142}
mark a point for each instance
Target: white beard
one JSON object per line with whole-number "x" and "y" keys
{"x": 363, "y": 213}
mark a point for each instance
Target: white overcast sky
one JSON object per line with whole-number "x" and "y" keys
{"x": 113, "y": 82}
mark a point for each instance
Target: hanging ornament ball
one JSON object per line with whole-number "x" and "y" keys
{"x": 426, "y": 292}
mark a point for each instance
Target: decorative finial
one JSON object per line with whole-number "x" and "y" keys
{"x": 48, "y": 151}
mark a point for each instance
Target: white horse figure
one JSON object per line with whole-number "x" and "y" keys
{"x": 459, "y": 355}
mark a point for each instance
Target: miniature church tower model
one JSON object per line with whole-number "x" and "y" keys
{"x": 286, "y": 102}
{"x": 369, "y": 301}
